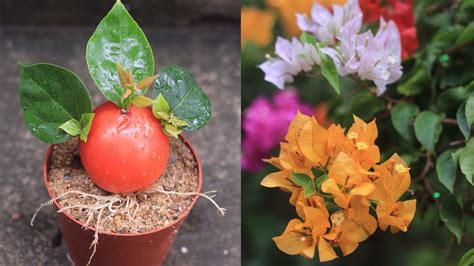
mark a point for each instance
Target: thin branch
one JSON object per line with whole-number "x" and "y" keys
{"x": 449, "y": 121}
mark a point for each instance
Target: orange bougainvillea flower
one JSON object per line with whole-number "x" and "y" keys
{"x": 346, "y": 180}
{"x": 397, "y": 215}
{"x": 335, "y": 180}
{"x": 302, "y": 237}
{"x": 349, "y": 228}
{"x": 362, "y": 136}
{"x": 256, "y": 26}
{"x": 288, "y": 8}
{"x": 394, "y": 180}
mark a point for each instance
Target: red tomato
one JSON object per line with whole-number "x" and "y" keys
{"x": 124, "y": 152}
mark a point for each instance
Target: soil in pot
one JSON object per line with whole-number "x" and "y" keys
{"x": 149, "y": 210}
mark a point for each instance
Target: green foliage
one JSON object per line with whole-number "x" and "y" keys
{"x": 185, "y": 98}
{"x": 466, "y": 161}
{"x": 50, "y": 97}
{"x": 402, "y": 116}
{"x": 467, "y": 259}
{"x": 305, "y": 181}
{"x": 118, "y": 40}
{"x": 451, "y": 214}
{"x": 329, "y": 71}
{"x": 427, "y": 129}
{"x": 446, "y": 170}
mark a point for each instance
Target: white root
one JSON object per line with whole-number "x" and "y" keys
{"x": 115, "y": 203}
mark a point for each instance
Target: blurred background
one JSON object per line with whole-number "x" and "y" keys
{"x": 268, "y": 111}
{"x": 201, "y": 35}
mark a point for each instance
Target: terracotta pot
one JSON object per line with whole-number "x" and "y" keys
{"x": 116, "y": 249}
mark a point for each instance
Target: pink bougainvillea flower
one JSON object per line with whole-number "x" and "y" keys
{"x": 265, "y": 124}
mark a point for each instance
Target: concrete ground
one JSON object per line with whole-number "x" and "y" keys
{"x": 213, "y": 56}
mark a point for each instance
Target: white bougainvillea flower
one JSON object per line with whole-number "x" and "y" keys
{"x": 292, "y": 58}
{"x": 327, "y": 26}
{"x": 375, "y": 58}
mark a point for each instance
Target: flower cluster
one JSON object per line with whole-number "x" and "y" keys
{"x": 368, "y": 56}
{"x": 339, "y": 189}
{"x": 401, "y": 12}
{"x": 265, "y": 122}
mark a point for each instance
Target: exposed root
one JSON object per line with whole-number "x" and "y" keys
{"x": 115, "y": 203}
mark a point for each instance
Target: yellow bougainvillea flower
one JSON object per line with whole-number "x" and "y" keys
{"x": 346, "y": 179}
{"x": 256, "y": 26}
{"x": 288, "y": 8}
{"x": 397, "y": 215}
{"x": 362, "y": 136}
{"x": 302, "y": 237}
{"x": 394, "y": 179}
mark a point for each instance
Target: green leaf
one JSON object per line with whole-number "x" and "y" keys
{"x": 171, "y": 130}
{"x": 365, "y": 105}
{"x": 329, "y": 71}
{"x": 178, "y": 122}
{"x": 50, "y": 96}
{"x": 72, "y": 127}
{"x": 86, "y": 123}
{"x": 470, "y": 111}
{"x": 451, "y": 214}
{"x": 466, "y": 161}
{"x": 427, "y": 129}
{"x": 467, "y": 259}
{"x": 184, "y": 96}
{"x": 415, "y": 84}
{"x": 402, "y": 119}
{"x": 118, "y": 39}
{"x": 443, "y": 39}
{"x": 462, "y": 121}
{"x": 320, "y": 180}
{"x": 450, "y": 99}
{"x": 455, "y": 156}
{"x": 466, "y": 35}
{"x": 160, "y": 105}
{"x": 142, "y": 101}
{"x": 305, "y": 182}
{"x": 446, "y": 170}
{"x": 307, "y": 38}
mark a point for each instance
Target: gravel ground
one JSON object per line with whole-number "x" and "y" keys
{"x": 212, "y": 53}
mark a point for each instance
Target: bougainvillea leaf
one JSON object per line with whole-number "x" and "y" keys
{"x": 427, "y": 129}
{"x": 118, "y": 40}
{"x": 446, "y": 170}
{"x": 185, "y": 98}
{"x": 466, "y": 161}
{"x": 50, "y": 96}
{"x": 402, "y": 119}
{"x": 451, "y": 214}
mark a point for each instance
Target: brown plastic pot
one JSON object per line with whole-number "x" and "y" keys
{"x": 141, "y": 249}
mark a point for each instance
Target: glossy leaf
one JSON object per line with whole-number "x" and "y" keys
{"x": 462, "y": 121}
{"x": 446, "y": 170}
{"x": 118, "y": 40}
{"x": 50, "y": 96}
{"x": 466, "y": 161}
{"x": 451, "y": 214}
{"x": 185, "y": 98}
{"x": 427, "y": 129}
{"x": 329, "y": 71}
{"x": 402, "y": 119}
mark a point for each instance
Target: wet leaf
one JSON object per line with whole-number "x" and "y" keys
{"x": 185, "y": 98}
{"x": 86, "y": 123}
{"x": 51, "y": 96}
{"x": 118, "y": 40}
{"x": 72, "y": 127}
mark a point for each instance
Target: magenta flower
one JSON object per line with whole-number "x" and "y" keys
{"x": 265, "y": 124}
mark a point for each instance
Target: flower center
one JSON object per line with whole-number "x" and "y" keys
{"x": 400, "y": 168}
{"x": 338, "y": 218}
{"x": 361, "y": 145}
{"x": 353, "y": 135}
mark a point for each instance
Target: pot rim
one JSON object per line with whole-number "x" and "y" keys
{"x": 180, "y": 218}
